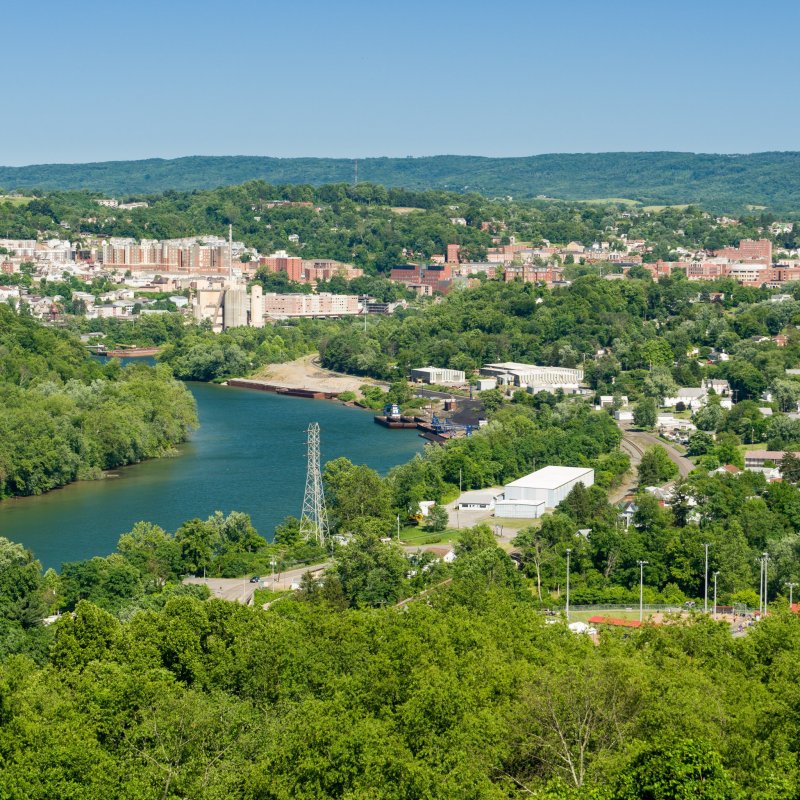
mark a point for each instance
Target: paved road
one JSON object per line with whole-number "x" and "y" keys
{"x": 240, "y": 590}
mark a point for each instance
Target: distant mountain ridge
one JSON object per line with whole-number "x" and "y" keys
{"x": 719, "y": 182}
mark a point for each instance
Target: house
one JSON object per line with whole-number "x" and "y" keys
{"x": 607, "y": 400}
{"x": 757, "y": 458}
{"x": 442, "y": 552}
{"x": 690, "y": 397}
{"x": 720, "y": 386}
{"x": 529, "y": 496}
{"x": 727, "y": 469}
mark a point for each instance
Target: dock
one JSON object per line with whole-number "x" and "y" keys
{"x": 396, "y": 422}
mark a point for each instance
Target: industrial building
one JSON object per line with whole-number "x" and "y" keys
{"x": 535, "y": 378}
{"x": 528, "y": 497}
{"x": 437, "y": 375}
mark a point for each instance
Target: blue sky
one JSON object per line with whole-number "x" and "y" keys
{"x": 93, "y": 81}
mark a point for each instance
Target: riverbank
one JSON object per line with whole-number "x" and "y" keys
{"x": 307, "y": 374}
{"x": 249, "y": 454}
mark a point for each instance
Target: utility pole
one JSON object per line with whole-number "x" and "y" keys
{"x": 766, "y": 584}
{"x": 791, "y": 587}
{"x": 398, "y": 527}
{"x": 715, "y": 594}
{"x": 569, "y": 550}
{"x": 641, "y": 589}
{"x": 761, "y": 586}
{"x": 705, "y": 595}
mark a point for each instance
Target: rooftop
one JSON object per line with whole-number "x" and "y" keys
{"x": 551, "y": 477}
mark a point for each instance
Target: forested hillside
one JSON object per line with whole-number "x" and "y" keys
{"x": 467, "y": 694}
{"x": 64, "y": 416}
{"x": 720, "y": 182}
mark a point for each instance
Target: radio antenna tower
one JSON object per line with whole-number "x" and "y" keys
{"x": 314, "y": 518}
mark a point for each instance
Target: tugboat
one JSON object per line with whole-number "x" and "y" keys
{"x": 393, "y": 418}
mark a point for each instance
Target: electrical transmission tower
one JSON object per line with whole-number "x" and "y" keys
{"x": 314, "y": 519}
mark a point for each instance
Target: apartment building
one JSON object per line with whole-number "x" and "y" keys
{"x": 310, "y": 305}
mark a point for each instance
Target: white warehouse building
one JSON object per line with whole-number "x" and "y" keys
{"x": 437, "y": 375}
{"x": 530, "y": 496}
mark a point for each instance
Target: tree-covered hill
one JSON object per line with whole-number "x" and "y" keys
{"x": 719, "y": 182}
{"x": 66, "y": 417}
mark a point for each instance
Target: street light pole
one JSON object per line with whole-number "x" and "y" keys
{"x": 715, "y": 594}
{"x": 641, "y": 589}
{"x": 706, "y": 545}
{"x": 569, "y": 550}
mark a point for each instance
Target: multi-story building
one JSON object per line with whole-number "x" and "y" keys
{"x": 437, "y": 277}
{"x": 756, "y": 250}
{"x": 21, "y": 248}
{"x": 202, "y": 255}
{"x": 310, "y": 305}
{"x": 281, "y": 261}
{"x": 530, "y": 273}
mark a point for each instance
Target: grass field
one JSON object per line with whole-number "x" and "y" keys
{"x": 14, "y": 200}
{"x": 621, "y": 201}
{"x": 662, "y": 208}
{"x": 417, "y": 536}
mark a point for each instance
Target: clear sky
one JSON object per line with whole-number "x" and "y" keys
{"x": 93, "y": 81}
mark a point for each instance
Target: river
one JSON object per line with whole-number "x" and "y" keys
{"x": 249, "y": 454}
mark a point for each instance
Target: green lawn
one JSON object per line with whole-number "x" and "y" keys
{"x": 417, "y": 536}
{"x": 512, "y": 522}
{"x": 15, "y": 201}
{"x": 261, "y": 596}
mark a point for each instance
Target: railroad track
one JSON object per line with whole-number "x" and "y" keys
{"x": 631, "y": 447}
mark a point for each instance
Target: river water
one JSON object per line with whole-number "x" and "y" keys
{"x": 249, "y": 454}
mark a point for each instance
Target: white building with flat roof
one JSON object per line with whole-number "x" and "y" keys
{"x": 512, "y": 373}
{"x": 529, "y": 496}
{"x": 437, "y": 375}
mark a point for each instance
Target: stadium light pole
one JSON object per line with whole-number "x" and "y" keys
{"x": 569, "y": 550}
{"x": 706, "y": 545}
{"x": 715, "y": 594}
{"x": 641, "y": 589}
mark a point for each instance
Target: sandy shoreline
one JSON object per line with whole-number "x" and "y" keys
{"x": 306, "y": 373}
